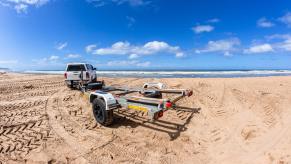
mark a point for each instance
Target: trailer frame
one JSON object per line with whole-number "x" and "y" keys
{"x": 110, "y": 98}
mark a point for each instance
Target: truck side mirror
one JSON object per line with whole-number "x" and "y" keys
{"x": 94, "y": 69}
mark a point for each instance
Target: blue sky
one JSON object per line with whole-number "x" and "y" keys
{"x": 146, "y": 34}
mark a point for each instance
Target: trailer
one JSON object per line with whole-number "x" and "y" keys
{"x": 150, "y": 98}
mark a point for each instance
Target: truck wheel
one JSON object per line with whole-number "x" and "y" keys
{"x": 102, "y": 116}
{"x": 71, "y": 86}
{"x": 94, "y": 80}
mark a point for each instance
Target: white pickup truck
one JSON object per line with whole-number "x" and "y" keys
{"x": 73, "y": 73}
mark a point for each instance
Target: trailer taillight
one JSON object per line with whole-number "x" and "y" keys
{"x": 65, "y": 74}
{"x": 168, "y": 104}
{"x": 190, "y": 93}
{"x": 160, "y": 114}
{"x": 87, "y": 75}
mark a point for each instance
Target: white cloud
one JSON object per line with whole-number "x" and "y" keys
{"x": 129, "y": 63}
{"x": 61, "y": 46}
{"x": 263, "y": 22}
{"x": 133, "y": 3}
{"x": 202, "y": 28}
{"x": 73, "y": 56}
{"x": 97, "y": 3}
{"x": 4, "y": 4}
{"x": 262, "y": 48}
{"x": 286, "y": 45}
{"x": 125, "y": 48}
{"x": 48, "y": 61}
{"x": 42, "y": 61}
{"x": 8, "y": 62}
{"x": 21, "y": 6}
{"x": 90, "y": 48}
{"x": 286, "y": 19}
{"x": 227, "y": 53}
{"x": 279, "y": 36}
{"x": 133, "y": 56}
{"x": 143, "y": 64}
{"x": 180, "y": 54}
{"x": 282, "y": 41}
{"x": 53, "y": 58}
{"x": 225, "y": 46}
{"x": 118, "y": 48}
{"x": 214, "y": 20}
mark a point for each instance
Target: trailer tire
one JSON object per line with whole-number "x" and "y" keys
{"x": 101, "y": 115}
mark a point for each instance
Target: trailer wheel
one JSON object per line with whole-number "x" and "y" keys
{"x": 102, "y": 116}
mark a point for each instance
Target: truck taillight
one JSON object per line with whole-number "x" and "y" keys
{"x": 87, "y": 75}
{"x": 65, "y": 74}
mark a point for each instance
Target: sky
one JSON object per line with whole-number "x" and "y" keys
{"x": 145, "y": 34}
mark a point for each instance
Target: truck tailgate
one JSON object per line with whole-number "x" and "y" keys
{"x": 74, "y": 75}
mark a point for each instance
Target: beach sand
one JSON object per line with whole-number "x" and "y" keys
{"x": 241, "y": 120}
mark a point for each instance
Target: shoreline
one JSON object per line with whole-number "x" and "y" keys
{"x": 241, "y": 77}
{"x": 236, "y": 114}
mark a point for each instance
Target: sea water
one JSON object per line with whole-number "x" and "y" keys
{"x": 180, "y": 73}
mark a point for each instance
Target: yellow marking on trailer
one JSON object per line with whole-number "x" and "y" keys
{"x": 135, "y": 98}
{"x": 134, "y": 107}
{"x": 85, "y": 96}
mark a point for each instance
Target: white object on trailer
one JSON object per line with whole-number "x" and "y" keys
{"x": 154, "y": 85}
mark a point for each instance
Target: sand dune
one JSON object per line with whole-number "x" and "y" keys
{"x": 241, "y": 120}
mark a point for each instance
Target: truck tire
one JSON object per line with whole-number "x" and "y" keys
{"x": 101, "y": 115}
{"x": 71, "y": 86}
{"x": 94, "y": 80}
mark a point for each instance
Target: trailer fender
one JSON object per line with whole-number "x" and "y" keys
{"x": 108, "y": 98}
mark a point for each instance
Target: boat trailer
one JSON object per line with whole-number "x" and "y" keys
{"x": 149, "y": 99}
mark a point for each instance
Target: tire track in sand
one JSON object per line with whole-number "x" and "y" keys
{"x": 92, "y": 146}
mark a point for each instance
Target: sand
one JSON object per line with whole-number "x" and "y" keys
{"x": 241, "y": 120}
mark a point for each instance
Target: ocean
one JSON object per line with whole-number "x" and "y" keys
{"x": 181, "y": 73}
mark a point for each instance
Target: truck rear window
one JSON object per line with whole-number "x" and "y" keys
{"x": 76, "y": 68}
